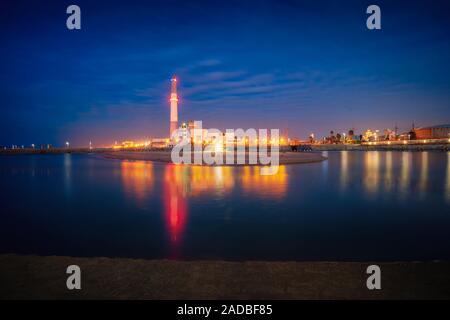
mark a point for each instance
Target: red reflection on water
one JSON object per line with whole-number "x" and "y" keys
{"x": 175, "y": 203}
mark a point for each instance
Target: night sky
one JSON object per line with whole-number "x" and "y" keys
{"x": 310, "y": 66}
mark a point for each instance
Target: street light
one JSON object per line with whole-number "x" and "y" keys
{"x": 67, "y": 144}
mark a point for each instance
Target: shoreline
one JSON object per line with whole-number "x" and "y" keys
{"x": 394, "y": 147}
{"x": 442, "y": 147}
{"x": 44, "y": 277}
{"x": 165, "y": 157}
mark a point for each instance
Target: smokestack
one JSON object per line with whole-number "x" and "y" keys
{"x": 173, "y": 106}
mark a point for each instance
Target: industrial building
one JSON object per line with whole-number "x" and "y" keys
{"x": 173, "y": 107}
{"x": 434, "y": 132}
{"x": 191, "y": 128}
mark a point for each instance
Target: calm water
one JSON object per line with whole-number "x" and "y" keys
{"x": 355, "y": 206}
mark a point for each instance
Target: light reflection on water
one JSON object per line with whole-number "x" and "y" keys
{"x": 253, "y": 183}
{"x": 388, "y": 179}
{"x": 209, "y": 180}
{"x": 405, "y": 174}
{"x": 344, "y": 170}
{"x": 67, "y": 172}
{"x": 175, "y": 191}
{"x": 448, "y": 178}
{"x": 183, "y": 182}
{"x": 423, "y": 174}
{"x": 372, "y": 172}
{"x": 356, "y": 205}
{"x": 137, "y": 179}
{"x": 399, "y": 174}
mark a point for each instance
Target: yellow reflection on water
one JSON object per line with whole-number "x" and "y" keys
{"x": 447, "y": 184}
{"x": 388, "y": 182}
{"x": 183, "y": 182}
{"x": 344, "y": 170}
{"x": 405, "y": 173}
{"x": 325, "y": 164}
{"x": 423, "y": 173}
{"x": 137, "y": 179}
{"x": 273, "y": 186}
{"x": 68, "y": 171}
{"x": 205, "y": 179}
{"x": 371, "y": 172}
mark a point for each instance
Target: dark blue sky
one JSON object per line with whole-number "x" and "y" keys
{"x": 310, "y": 66}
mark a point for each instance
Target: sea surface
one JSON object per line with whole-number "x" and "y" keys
{"x": 356, "y": 206}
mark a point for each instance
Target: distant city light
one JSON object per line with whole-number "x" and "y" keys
{"x": 218, "y": 147}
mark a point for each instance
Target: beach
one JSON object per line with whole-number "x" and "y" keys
{"x": 38, "y": 277}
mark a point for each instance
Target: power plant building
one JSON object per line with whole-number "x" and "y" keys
{"x": 173, "y": 107}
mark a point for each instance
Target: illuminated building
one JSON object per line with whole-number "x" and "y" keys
{"x": 131, "y": 145}
{"x": 284, "y": 137}
{"x": 192, "y": 130}
{"x": 173, "y": 106}
{"x": 390, "y": 135}
{"x": 435, "y": 132}
{"x": 183, "y": 131}
{"x": 371, "y": 136}
{"x": 159, "y": 142}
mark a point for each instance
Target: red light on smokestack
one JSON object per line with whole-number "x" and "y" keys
{"x": 173, "y": 106}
